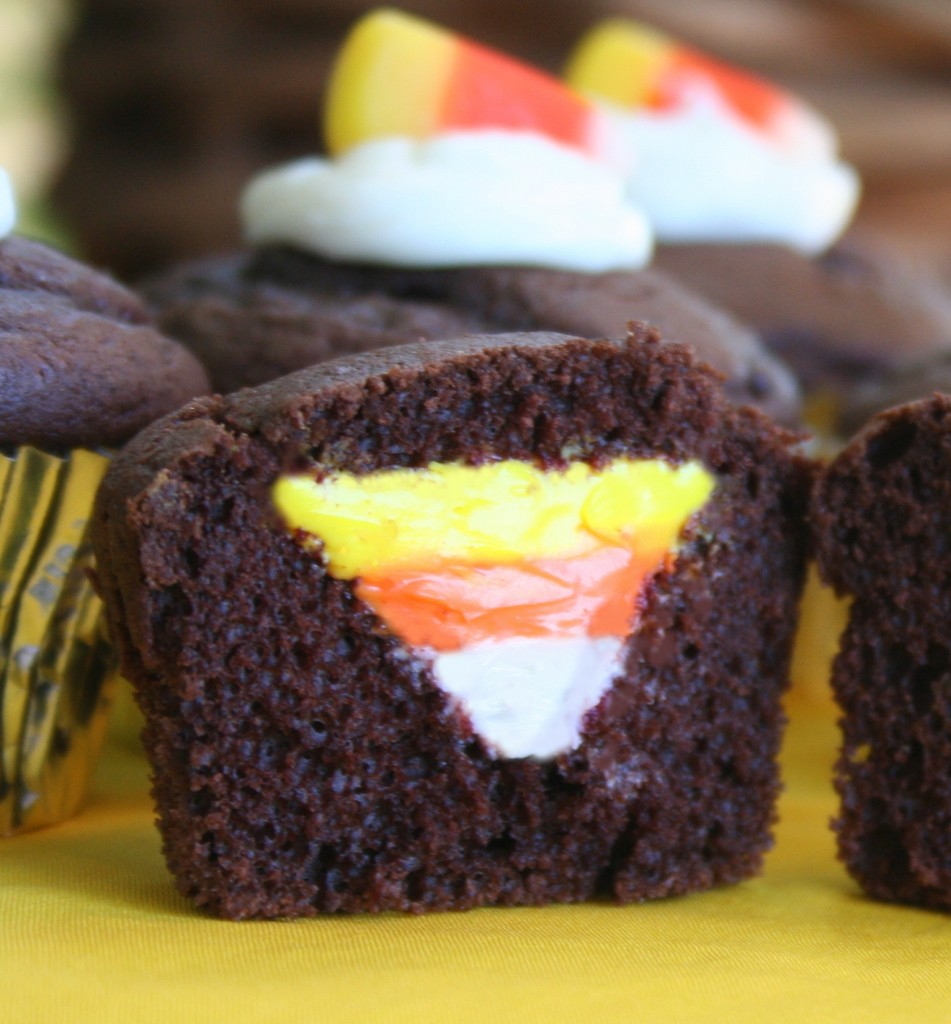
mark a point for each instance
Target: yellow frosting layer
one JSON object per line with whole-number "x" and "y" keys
{"x": 499, "y": 513}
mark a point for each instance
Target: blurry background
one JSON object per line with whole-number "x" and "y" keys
{"x": 130, "y": 126}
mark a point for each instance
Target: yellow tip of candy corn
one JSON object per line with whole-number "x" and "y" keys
{"x": 619, "y": 60}
{"x": 389, "y": 79}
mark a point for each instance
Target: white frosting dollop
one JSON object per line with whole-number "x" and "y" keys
{"x": 8, "y": 209}
{"x": 460, "y": 199}
{"x": 704, "y": 175}
{"x": 527, "y": 697}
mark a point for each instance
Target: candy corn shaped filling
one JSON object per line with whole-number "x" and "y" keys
{"x": 517, "y": 585}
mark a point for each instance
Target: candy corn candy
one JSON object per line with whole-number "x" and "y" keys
{"x": 400, "y": 75}
{"x": 636, "y": 67}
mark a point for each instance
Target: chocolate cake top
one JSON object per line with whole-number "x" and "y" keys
{"x": 321, "y": 413}
{"x": 255, "y": 316}
{"x": 81, "y": 363}
{"x": 851, "y": 313}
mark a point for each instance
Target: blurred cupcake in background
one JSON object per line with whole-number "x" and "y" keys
{"x": 464, "y": 191}
{"x": 81, "y": 370}
{"x": 750, "y": 201}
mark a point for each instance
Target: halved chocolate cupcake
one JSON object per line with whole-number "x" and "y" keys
{"x": 880, "y": 521}
{"x": 503, "y": 620}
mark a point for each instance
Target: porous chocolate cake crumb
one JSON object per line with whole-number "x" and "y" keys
{"x": 881, "y": 516}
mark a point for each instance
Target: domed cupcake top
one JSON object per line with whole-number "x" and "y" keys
{"x": 80, "y": 363}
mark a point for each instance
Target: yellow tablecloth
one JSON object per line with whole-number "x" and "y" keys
{"x": 91, "y": 929}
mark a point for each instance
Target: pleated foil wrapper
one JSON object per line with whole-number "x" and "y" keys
{"x": 57, "y": 670}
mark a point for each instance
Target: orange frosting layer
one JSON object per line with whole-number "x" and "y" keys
{"x": 450, "y": 606}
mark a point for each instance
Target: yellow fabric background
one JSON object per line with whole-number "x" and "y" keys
{"x": 92, "y": 929}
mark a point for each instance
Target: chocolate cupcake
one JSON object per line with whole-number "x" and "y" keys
{"x": 880, "y": 520}
{"x": 503, "y": 620}
{"x": 83, "y": 368}
{"x": 748, "y": 199}
{"x": 443, "y": 212}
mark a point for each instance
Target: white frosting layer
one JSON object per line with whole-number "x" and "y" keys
{"x": 8, "y": 209}
{"x": 704, "y": 174}
{"x": 461, "y": 199}
{"x": 528, "y": 697}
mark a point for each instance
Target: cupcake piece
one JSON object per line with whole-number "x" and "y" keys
{"x": 503, "y": 620}
{"x": 747, "y": 197}
{"x": 880, "y": 516}
{"x": 82, "y": 370}
{"x": 474, "y": 194}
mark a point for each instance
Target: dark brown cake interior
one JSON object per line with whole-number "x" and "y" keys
{"x": 881, "y": 521}
{"x": 302, "y": 763}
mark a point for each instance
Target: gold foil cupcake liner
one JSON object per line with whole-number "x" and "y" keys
{"x": 57, "y": 669}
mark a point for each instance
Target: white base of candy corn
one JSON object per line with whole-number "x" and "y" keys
{"x": 527, "y": 697}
